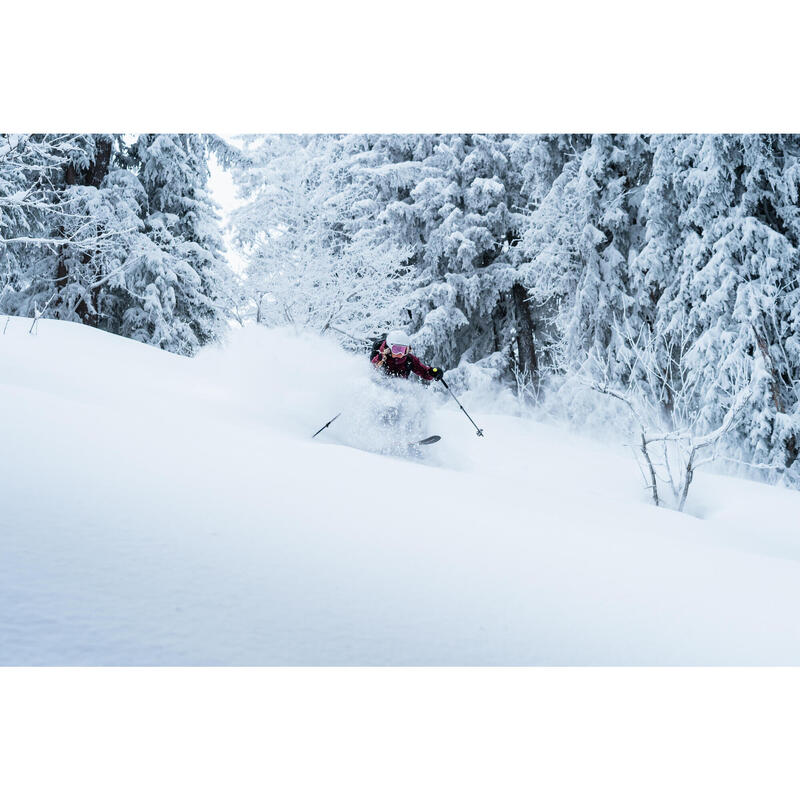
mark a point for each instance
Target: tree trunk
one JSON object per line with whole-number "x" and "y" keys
{"x": 791, "y": 450}
{"x": 653, "y": 482}
{"x": 102, "y": 159}
{"x": 687, "y": 481}
{"x": 94, "y": 176}
{"x": 525, "y": 346}
{"x": 70, "y": 178}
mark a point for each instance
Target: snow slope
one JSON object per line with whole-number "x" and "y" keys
{"x": 165, "y": 511}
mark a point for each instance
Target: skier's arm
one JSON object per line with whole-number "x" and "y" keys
{"x": 425, "y": 372}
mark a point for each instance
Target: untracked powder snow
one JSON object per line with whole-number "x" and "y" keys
{"x": 160, "y": 510}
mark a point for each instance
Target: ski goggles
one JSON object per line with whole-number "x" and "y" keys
{"x": 399, "y": 349}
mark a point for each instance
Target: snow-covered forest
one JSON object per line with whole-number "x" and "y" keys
{"x": 648, "y": 284}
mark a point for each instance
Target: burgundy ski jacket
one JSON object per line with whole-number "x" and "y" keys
{"x": 401, "y": 367}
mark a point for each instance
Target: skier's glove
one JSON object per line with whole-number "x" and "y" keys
{"x": 437, "y": 373}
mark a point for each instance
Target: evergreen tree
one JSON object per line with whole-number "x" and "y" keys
{"x": 740, "y": 266}
{"x": 580, "y": 244}
{"x": 122, "y": 238}
{"x": 178, "y": 275}
{"x": 79, "y": 229}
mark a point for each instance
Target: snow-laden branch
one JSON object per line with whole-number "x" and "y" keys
{"x": 739, "y": 402}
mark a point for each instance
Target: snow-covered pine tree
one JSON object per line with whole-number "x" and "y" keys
{"x": 541, "y": 159}
{"x": 580, "y": 243}
{"x": 656, "y": 277}
{"x": 177, "y": 277}
{"x": 23, "y": 169}
{"x": 79, "y": 229}
{"x": 123, "y": 238}
{"x": 740, "y": 268}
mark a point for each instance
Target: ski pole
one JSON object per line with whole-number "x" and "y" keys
{"x": 327, "y": 423}
{"x": 478, "y": 431}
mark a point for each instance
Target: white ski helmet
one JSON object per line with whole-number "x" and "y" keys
{"x": 398, "y": 338}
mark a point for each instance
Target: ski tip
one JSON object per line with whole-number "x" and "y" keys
{"x": 429, "y": 440}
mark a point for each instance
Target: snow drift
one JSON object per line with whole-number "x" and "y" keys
{"x": 160, "y": 510}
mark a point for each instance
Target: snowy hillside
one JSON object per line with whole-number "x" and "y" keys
{"x": 164, "y": 510}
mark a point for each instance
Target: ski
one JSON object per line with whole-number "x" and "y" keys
{"x": 428, "y": 440}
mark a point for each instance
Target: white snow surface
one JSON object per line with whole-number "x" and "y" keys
{"x": 158, "y": 510}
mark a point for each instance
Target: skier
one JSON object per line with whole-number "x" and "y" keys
{"x": 394, "y": 358}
